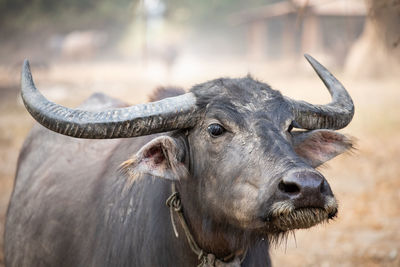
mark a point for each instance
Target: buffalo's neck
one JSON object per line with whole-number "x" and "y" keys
{"x": 220, "y": 239}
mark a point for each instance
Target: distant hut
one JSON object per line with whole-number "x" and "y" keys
{"x": 289, "y": 28}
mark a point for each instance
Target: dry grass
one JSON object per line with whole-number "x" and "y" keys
{"x": 366, "y": 182}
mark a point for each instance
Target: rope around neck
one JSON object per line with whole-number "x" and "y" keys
{"x": 206, "y": 259}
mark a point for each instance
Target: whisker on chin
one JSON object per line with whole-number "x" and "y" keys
{"x": 278, "y": 239}
{"x": 286, "y": 217}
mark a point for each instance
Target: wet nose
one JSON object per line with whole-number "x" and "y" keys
{"x": 305, "y": 189}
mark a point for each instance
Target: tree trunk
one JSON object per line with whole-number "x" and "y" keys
{"x": 377, "y": 52}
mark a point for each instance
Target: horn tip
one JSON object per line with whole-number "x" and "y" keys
{"x": 25, "y": 66}
{"x": 318, "y": 67}
{"x": 27, "y": 83}
{"x": 311, "y": 60}
{"x": 26, "y": 75}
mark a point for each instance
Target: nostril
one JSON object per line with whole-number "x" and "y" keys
{"x": 290, "y": 188}
{"x": 325, "y": 189}
{"x": 322, "y": 188}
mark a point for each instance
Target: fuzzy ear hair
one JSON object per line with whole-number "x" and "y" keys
{"x": 318, "y": 146}
{"x": 161, "y": 157}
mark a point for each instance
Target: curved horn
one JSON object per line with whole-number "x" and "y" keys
{"x": 335, "y": 115}
{"x": 143, "y": 119}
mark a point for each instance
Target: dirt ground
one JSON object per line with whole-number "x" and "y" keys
{"x": 366, "y": 182}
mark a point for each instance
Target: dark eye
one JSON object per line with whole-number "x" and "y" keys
{"x": 290, "y": 128}
{"x": 215, "y": 129}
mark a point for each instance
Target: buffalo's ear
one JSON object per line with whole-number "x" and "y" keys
{"x": 319, "y": 146}
{"x": 161, "y": 157}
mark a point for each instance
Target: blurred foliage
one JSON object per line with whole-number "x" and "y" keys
{"x": 38, "y": 20}
{"x": 65, "y": 15}
{"x": 209, "y": 13}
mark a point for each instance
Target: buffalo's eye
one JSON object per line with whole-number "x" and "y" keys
{"x": 290, "y": 128}
{"x": 215, "y": 129}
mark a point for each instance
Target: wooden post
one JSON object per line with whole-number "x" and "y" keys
{"x": 311, "y": 36}
{"x": 288, "y": 37}
{"x": 257, "y": 40}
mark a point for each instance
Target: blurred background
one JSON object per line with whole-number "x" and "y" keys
{"x": 126, "y": 48}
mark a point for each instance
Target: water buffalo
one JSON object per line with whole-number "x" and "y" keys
{"x": 224, "y": 156}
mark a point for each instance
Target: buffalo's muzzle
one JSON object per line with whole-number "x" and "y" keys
{"x": 303, "y": 199}
{"x": 305, "y": 189}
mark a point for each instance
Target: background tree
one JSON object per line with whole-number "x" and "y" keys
{"x": 377, "y": 52}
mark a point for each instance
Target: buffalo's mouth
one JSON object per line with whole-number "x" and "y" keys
{"x": 284, "y": 217}
{"x": 301, "y": 218}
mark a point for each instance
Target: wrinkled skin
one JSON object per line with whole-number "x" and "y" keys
{"x": 87, "y": 209}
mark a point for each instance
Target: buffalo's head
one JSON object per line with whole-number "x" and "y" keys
{"x": 232, "y": 148}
